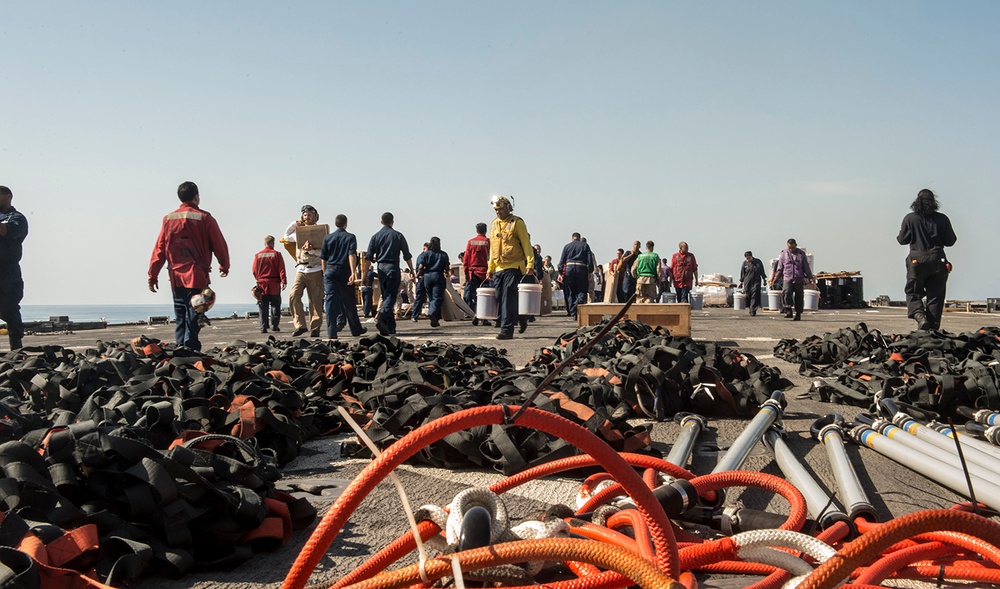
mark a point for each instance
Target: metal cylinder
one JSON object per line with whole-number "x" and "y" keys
{"x": 737, "y": 454}
{"x": 942, "y": 473}
{"x": 691, "y": 426}
{"x": 890, "y": 430}
{"x": 828, "y": 430}
{"x": 967, "y": 440}
{"x": 820, "y": 505}
{"x": 972, "y": 453}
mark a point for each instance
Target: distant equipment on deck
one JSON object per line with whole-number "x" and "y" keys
{"x": 841, "y": 290}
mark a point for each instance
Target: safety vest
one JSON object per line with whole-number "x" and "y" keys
{"x": 648, "y": 264}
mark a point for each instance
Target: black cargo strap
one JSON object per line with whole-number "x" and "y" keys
{"x": 932, "y": 371}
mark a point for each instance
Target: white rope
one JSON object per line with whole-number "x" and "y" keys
{"x": 817, "y": 549}
{"x": 477, "y": 497}
{"x": 399, "y": 489}
{"x": 456, "y": 570}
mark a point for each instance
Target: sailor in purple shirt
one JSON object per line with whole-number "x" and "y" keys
{"x": 793, "y": 266}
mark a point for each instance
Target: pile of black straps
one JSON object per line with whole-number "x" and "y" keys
{"x": 934, "y": 371}
{"x": 144, "y": 457}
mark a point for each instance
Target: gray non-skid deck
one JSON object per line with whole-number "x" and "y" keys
{"x": 893, "y": 490}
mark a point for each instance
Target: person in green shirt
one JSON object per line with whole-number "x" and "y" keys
{"x": 646, "y": 269}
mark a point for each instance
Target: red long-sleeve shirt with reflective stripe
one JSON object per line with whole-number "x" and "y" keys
{"x": 269, "y": 270}
{"x": 188, "y": 238}
{"x": 476, "y": 258}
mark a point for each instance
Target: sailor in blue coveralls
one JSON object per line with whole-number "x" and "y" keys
{"x": 385, "y": 248}
{"x": 13, "y": 230}
{"x": 575, "y": 265}
{"x": 436, "y": 264}
{"x": 339, "y": 259}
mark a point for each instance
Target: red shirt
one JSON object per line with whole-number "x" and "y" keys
{"x": 683, "y": 267}
{"x": 269, "y": 270}
{"x": 188, "y": 238}
{"x": 476, "y": 257}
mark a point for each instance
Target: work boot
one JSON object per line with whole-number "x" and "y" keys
{"x": 505, "y": 335}
{"x": 798, "y": 317}
{"x": 299, "y": 331}
{"x": 475, "y": 321}
{"x": 522, "y": 324}
{"x": 921, "y": 318}
{"x": 275, "y": 328}
{"x": 382, "y": 329}
{"x": 435, "y": 322}
{"x": 263, "y": 330}
{"x": 315, "y": 333}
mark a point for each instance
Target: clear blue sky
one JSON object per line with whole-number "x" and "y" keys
{"x": 729, "y": 125}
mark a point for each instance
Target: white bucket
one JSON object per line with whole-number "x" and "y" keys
{"x": 774, "y": 300}
{"x": 486, "y": 303}
{"x": 810, "y": 300}
{"x": 529, "y": 299}
{"x": 695, "y": 299}
{"x": 739, "y": 301}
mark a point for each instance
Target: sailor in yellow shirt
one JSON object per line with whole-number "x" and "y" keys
{"x": 509, "y": 260}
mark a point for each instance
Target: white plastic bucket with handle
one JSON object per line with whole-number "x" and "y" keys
{"x": 529, "y": 299}
{"x": 486, "y": 303}
{"x": 739, "y": 301}
{"x": 774, "y": 300}
{"x": 810, "y": 299}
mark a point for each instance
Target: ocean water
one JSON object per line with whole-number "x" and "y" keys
{"x": 122, "y": 313}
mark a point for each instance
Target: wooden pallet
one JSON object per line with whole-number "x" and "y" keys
{"x": 676, "y": 317}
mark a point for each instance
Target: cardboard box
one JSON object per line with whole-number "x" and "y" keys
{"x": 311, "y": 233}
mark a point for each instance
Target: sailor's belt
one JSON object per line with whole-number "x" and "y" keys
{"x": 575, "y": 264}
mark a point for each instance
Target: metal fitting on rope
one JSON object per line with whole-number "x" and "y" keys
{"x": 675, "y": 497}
{"x": 736, "y": 518}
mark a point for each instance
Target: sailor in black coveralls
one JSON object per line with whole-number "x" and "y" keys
{"x": 927, "y": 232}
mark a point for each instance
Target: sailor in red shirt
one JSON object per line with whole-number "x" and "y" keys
{"x": 684, "y": 272}
{"x": 269, "y": 271}
{"x": 475, "y": 261}
{"x": 188, "y": 238}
